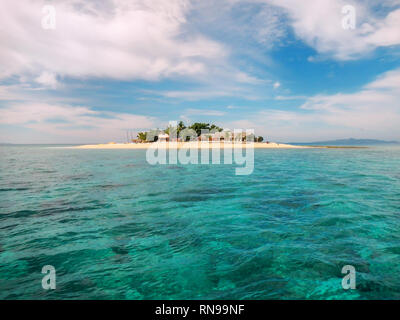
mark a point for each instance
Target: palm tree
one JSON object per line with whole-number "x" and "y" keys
{"x": 181, "y": 126}
{"x": 142, "y": 136}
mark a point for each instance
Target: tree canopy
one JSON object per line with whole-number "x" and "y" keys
{"x": 142, "y": 136}
{"x": 198, "y": 126}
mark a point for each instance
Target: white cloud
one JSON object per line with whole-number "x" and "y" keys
{"x": 372, "y": 112}
{"x": 194, "y": 95}
{"x": 253, "y": 20}
{"x": 206, "y": 92}
{"x": 119, "y": 39}
{"x": 245, "y": 78}
{"x": 48, "y": 79}
{"x": 390, "y": 80}
{"x": 69, "y": 124}
{"x": 319, "y": 24}
{"x": 203, "y": 112}
{"x": 152, "y": 39}
{"x": 8, "y": 92}
{"x": 387, "y": 31}
{"x": 283, "y": 98}
{"x": 277, "y": 85}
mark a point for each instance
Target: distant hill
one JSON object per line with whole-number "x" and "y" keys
{"x": 348, "y": 142}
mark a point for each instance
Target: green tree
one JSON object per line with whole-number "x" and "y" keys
{"x": 198, "y": 126}
{"x": 215, "y": 128}
{"x": 260, "y": 139}
{"x": 142, "y": 136}
{"x": 170, "y": 130}
{"x": 181, "y": 126}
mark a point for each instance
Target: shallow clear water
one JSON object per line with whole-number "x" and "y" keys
{"x": 115, "y": 227}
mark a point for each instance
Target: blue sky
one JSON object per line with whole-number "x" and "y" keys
{"x": 287, "y": 68}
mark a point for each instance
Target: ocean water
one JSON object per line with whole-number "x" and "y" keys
{"x": 115, "y": 227}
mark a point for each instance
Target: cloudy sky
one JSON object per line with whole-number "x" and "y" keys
{"x": 286, "y": 68}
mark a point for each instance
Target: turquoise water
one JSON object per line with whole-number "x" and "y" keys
{"x": 115, "y": 227}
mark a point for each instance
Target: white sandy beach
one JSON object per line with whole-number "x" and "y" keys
{"x": 196, "y": 144}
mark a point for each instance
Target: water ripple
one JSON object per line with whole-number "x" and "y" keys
{"x": 115, "y": 227}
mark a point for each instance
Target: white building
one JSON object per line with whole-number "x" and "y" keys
{"x": 163, "y": 137}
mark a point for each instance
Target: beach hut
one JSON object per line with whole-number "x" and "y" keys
{"x": 205, "y": 137}
{"x": 163, "y": 137}
{"x": 218, "y": 136}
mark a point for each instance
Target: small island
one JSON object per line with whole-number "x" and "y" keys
{"x": 198, "y": 135}
{"x": 204, "y": 135}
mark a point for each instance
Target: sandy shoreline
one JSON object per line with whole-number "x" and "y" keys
{"x": 199, "y": 145}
